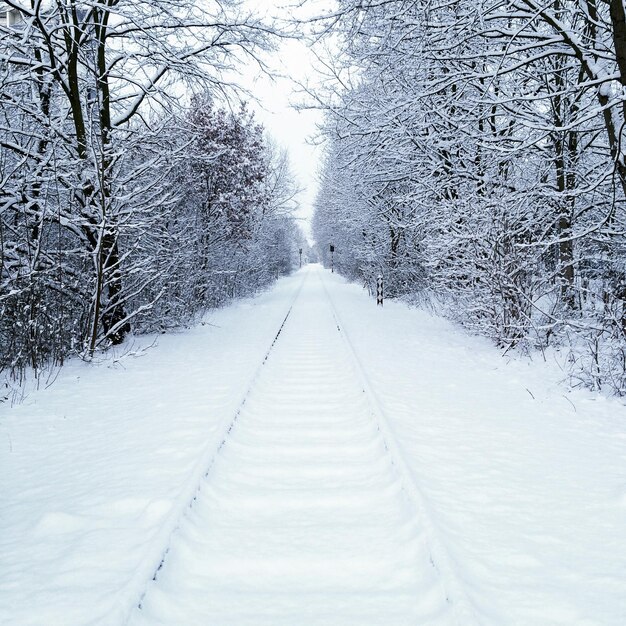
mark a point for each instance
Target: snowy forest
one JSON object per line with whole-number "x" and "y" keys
{"x": 133, "y": 193}
{"x": 476, "y": 161}
{"x": 473, "y": 158}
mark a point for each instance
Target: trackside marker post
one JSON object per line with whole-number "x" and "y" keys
{"x": 379, "y": 291}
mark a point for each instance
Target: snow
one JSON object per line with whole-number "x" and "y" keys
{"x": 395, "y": 471}
{"x": 93, "y": 469}
{"x": 528, "y": 495}
{"x": 303, "y": 519}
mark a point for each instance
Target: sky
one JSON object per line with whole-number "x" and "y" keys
{"x": 292, "y": 129}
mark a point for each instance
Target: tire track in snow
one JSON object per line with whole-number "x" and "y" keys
{"x": 440, "y": 557}
{"x": 157, "y": 551}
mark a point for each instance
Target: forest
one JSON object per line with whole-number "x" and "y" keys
{"x": 136, "y": 190}
{"x": 475, "y": 160}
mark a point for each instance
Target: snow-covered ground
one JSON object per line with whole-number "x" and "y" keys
{"x": 95, "y": 470}
{"x": 524, "y": 482}
{"x": 303, "y": 519}
{"x": 485, "y": 482}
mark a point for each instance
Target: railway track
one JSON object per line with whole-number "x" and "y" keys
{"x": 309, "y": 514}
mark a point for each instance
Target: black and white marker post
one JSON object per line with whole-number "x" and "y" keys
{"x": 379, "y": 291}
{"x": 332, "y": 258}
{"x": 300, "y": 257}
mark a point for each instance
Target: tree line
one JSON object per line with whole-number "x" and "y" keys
{"x": 132, "y": 194}
{"x": 476, "y": 160}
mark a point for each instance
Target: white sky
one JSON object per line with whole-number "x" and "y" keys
{"x": 292, "y": 129}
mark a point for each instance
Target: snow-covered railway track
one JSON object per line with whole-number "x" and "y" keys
{"x": 307, "y": 515}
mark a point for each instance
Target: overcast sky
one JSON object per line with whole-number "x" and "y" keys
{"x": 291, "y": 128}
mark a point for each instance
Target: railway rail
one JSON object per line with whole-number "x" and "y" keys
{"x": 306, "y": 511}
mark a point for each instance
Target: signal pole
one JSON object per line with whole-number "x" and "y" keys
{"x": 379, "y": 291}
